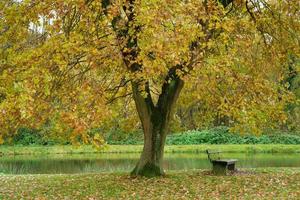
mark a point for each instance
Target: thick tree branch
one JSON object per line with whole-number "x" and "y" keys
{"x": 143, "y": 107}
{"x": 170, "y": 91}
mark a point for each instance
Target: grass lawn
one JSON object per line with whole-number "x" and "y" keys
{"x": 259, "y": 184}
{"x": 234, "y": 148}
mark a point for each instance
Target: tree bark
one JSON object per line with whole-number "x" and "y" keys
{"x": 155, "y": 122}
{"x": 150, "y": 163}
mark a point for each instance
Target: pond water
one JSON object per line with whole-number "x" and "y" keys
{"x": 87, "y": 163}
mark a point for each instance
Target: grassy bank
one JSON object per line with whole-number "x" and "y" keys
{"x": 258, "y": 184}
{"x": 67, "y": 149}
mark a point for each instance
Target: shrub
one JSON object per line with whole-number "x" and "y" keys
{"x": 221, "y": 135}
{"x": 26, "y": 136}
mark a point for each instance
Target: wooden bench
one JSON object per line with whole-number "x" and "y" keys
{"x": 220, "y": 166}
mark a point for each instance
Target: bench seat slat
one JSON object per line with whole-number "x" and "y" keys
{"x": 225, "y": 160}
{"x": 228, "y": 162}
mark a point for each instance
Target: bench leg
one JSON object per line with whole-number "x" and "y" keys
{"x": 219, "y": 169}
{"x": 231, "y": 167}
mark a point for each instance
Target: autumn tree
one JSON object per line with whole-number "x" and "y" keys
{"x": 67, "y": 59}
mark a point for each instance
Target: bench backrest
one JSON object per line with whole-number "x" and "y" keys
{"x": 213, "y": 152}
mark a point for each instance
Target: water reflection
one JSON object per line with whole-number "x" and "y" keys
{"x": 86, "y": 163}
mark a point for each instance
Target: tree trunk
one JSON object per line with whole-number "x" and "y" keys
{"x": 150, "y": 163}
{"x": 155, "y": 122}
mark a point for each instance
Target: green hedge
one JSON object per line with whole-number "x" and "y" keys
{"x": 221, "y": 135}
{"x": 26, "y": 136}
{"x": 218, "y": 135}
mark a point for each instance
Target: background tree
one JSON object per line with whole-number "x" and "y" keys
{"x": 66, "y": 59}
